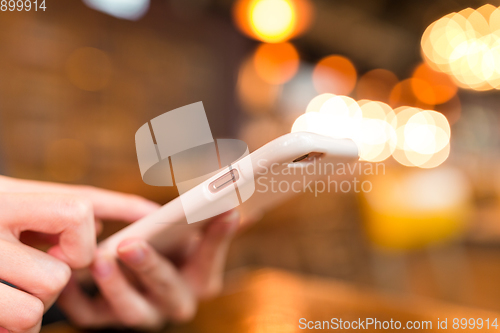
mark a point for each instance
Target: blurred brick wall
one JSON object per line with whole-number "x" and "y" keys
{"x": 69, "y": 114}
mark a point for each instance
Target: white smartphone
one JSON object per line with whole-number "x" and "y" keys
{"x": 275, "y": 170}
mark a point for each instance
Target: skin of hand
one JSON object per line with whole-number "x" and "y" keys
{"x": 67, "y": 213}
{"x": 160, "y": 291}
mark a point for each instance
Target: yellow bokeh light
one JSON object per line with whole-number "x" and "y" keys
{"x": 317, "y": 102}
{"x": 414, "y": 137}
{"x": 466, "y": 45}
{"x": 272, "y": 20}
{"x": 423, "y": 137}
{"x": 377, "y": 138}
{"x": 413, "y": 209}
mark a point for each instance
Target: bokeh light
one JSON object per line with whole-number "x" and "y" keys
{"x": 276, "y": 63}
{"x": 338, "y": 117}
{"x": 466, "y": 45}
{"x": 402, "y": 94}
{"x": 256, "y": 95}
{"x": 89, "y": 69}
{"x": 334, "y": 74}
{"x": 413, "y": 209}
{"x": 317, "y": 102}
{"x": 414, "y": 137}
{"x": 376, "y": 85}
{"x": 377, "y": 138}
{"x": 272, "y": 21}
{"x": 423, "y": 137}
{"x": 432, "y": 87}
{"x": 125, "y": 9}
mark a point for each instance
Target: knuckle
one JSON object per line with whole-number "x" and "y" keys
{"x": 30, "y": 315}
{"x": 79, "y": 210}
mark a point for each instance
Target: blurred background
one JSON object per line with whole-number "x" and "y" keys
{"x": 78, "y": 79}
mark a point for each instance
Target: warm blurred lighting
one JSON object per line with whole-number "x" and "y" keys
{"x": 317, "y": 102}
{"x": 276, "y": 63}
{"x": 89, "y": 69}
{"x": 334, "y": 74}
{"x": 466, "y": 45}
{"x": 66, "y": 160}
{"x": 125, "y": 9}
{"x": 412, "y": 136}
{"x": 423, "y": 137}
{"x": 427, "y": 132}
{"x": 338, "y": 117}
{"x": 432, "y": 87}
{"x": 376, "y": 85}
{"x": 402, "y": 94}
{"x": 256, "y": 95}
{"x": 314, "y": 122}
{"x": 377, "y": 138}
{"x": 414, "y": 209}
{"x": 272, "y": 21}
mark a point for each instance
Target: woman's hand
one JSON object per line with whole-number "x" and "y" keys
{"x": 68, "y": 215}
{"x": 162, "y": 291}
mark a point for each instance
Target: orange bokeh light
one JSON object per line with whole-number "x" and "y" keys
{"x": 376, "y": 85}
{"x": 402, "y": 94}
{"x": 276, "y": 63}
{"x": 334, "y": 74}
{"x": 432, "y": 87}
{"x": 256, "y": 95}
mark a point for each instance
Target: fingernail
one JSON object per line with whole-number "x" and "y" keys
{"x": 133, "y": 252}
{"x": 102, "y": 266}
{"x": 3, "y": 330}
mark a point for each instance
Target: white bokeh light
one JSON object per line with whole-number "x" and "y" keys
{"x": 124, "y": 9}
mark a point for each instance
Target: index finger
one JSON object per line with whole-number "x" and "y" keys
{"x": 70, "y": 217}
{"x": 107, "y": 204}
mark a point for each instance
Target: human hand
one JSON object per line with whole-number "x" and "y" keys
{"x": 159, "y": 291}
{"x": 66, "y": 213}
